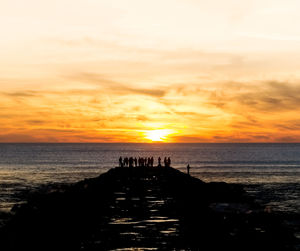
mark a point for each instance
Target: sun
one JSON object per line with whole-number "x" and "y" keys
{"x": 158, "y": 135}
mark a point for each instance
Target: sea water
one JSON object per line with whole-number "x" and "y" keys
{"x": 270, "y": 172}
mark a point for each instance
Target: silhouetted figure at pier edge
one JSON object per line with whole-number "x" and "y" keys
{"x": 120, "y": 162}
{"x": 188, "y": 169}
{"x": 159, "y": 161}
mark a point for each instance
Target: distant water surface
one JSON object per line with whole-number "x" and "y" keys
{"x": 270, "y": 171}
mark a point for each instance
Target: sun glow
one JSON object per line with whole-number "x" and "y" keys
{"x": 158, "y": 135}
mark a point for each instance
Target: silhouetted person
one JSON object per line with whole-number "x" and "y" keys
{"x": 135, "y": 162}
{"x": 169, "y": 162}
{"x": 188, "y": 169}
{"x": 130, "y": 162}
{"x": 159, "y": 160}
{"x": 120, "y": 162}
{"x": 126, "y": 161}
{"x": 142, "y": 162}
{"x": 165, "y": 162}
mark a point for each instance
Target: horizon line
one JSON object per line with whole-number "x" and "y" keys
{"x": 150, "y": 142}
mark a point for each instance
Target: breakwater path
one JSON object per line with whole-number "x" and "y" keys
{"x": 138, "y": 208}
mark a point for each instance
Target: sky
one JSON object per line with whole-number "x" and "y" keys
{"x": 143, "y": 71}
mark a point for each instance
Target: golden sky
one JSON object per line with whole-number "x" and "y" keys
{"x": 139, "y": 70}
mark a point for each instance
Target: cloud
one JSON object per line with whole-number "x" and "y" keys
{"x": 17, "y": 137}
{"x": 142, "y": 118}
{"x": 189, "y": 138}
{"x": 201, "y": 112}
{"x": 155, "y": 92}
{"x": 261, "y": 137}
{"x": 21, "y": 94}
{"x": 192, "y": 114}
{"x": 41, "y": 136}
{"x": 36, "y": 122}
{"x": 290, "y": 125}
{"x": 288, "y": 139}
{"x": 268, "y": 96}
{"x": 271, "y": 36}
{"x": 114, "y": 87}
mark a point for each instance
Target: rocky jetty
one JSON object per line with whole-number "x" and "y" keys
{"x": 144, "y": 209}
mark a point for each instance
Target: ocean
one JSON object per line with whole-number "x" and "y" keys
{"x": 270, "y": 172}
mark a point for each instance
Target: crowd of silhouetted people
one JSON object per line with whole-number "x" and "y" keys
{"x": 143, "y": 162}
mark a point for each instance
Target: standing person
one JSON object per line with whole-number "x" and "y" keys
{"x": 169, "y": 162}
{"x": 165, "y": 162}
{"x": 120, "y": 162}
{"x": 146, "y": 162}
{"x": 159, "y": 160}
{"x": 142, "y": 162}
{"x": 188, "y": 169}
{"x": 130, "y": 162}
{"x": 135, "y": 161}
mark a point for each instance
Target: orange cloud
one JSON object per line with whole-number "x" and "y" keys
{"x": 220, "y": 112}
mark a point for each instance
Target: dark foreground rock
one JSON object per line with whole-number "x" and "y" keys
{"x": 144, "y": 208}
